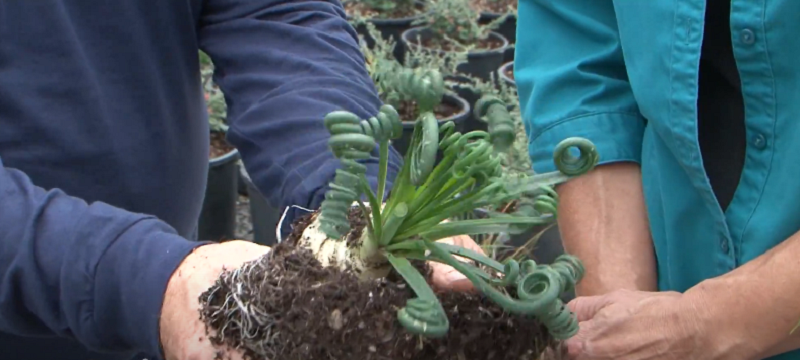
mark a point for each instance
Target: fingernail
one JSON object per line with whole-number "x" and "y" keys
{"x": 574, "y": 347}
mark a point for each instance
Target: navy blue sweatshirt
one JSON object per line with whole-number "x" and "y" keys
{"x": 104, "y": 144}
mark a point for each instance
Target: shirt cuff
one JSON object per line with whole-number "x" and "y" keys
{"x": 131, "y": 280}
{"x": 616, "y": 135}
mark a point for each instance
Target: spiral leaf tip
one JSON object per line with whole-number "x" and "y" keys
{"x": 571, "y": 165}
{"x": 495, "y": 113}
{"x": 424, "y": 317}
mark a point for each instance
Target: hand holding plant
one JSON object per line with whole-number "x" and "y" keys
{"x": 392, "y": 237}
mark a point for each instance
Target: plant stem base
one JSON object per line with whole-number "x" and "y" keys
{"x": 287, "y": 306}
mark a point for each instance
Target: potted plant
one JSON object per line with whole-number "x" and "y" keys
{"x": 473, "y": 88}
{"x": 492, "y": 10}
{"x": 414, "y": 88}
{"x": 352, "y": 281}
{"x": 463, "y": 85}
{"x": 506, "y": 74}
{"x": 452, "y": 26}
{"x": 218, "y": 216}
{"x": 390, "y": 17}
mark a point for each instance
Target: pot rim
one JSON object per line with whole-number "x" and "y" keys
{"x": 493, "y": 15}
{"x": 229, "y": 157}
{"x": 457, "y": 118}
{"x": 406, "y": 35}
{"x": 501, "y": 73}
{"x": 406, "y": 19}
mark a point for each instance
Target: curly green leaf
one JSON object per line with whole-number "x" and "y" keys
{"x": 423, "y": 148}
{"x": 352, "y": 139}
{"x": 424, "y": 314}
{"x": 539, "y": 288}
{"x": 494, "y": 112}
{"x": 575, "y": 165}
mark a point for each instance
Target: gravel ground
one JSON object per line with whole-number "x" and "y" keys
{"x": 244, "y": 226}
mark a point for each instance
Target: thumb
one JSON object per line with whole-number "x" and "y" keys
{"x": 577, "y": 346}
{"x": 586, "y": 307}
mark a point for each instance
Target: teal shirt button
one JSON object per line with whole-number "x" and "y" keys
{"x": 759, "y": 141}
{"x": 748, "y": 37}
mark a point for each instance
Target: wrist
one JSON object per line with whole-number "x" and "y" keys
{"x": 720, "y": 326}
{"x": 130, "y": 280}
{"x": 171, "y": 323}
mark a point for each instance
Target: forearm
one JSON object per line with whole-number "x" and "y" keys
{"x": 88, "y": 271}
{"x": 603, "y": 221}
{"x": 753, "y": 309}
{"x": 285, "y": 65}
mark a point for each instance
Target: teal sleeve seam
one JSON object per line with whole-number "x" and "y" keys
{"x": 618, "y": 136}
{"x": 576, "y": 117}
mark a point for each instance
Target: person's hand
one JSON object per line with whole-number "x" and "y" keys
{"x": 183, "y": 334}
{"x": 638, "y": 325}
{"x": 446, "y": 277}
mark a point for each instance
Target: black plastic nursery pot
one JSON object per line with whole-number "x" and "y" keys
{"x": 503, "y": 72}
{"x": 263, "y": 215}
{"x": 480, "y": 63}
{"x": 471, "y": 97}
{"x": 390, "y": 29}
{"x": 508, "y": 55}
{"x": 218, "y": 216}
{"x": 507, "y": 28}
{"x": 401, "y": 144}
{"x": 242, "y": 184}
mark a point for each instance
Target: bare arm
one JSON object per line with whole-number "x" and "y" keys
{"x": 573, "y": 82}
{"x": 755, "y": 307}
{"x": 603, "y": 221}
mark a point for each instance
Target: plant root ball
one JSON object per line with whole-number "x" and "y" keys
{"x": 287, "y": 306}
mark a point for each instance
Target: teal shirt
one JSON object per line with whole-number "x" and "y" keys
{"x": 624, "y": 74}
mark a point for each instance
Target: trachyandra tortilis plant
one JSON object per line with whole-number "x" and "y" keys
{"x": 397, "y": 83}
{"x": 425, "y": 194}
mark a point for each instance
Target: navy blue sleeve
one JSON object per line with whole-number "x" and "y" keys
{"x": 88, "y": 271}
{"x": 283, "y": 66}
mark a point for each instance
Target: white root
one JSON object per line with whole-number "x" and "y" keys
{"x": 338, "y": 253}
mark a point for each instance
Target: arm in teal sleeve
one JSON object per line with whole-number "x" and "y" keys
{"x": 572, "y": 81}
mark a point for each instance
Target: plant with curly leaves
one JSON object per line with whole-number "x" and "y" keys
{"x": 421, "y": 86}
{"x": 424, "y": 196}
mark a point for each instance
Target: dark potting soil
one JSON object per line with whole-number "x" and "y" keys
{"x": 489, "y": 43}
{"x": 356, "y": 7}
{"x": 408, "y": 111}
{"x": 493, "y": 6}
{"x": 219, "y": 146}
{"x": 299, "y": 310}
